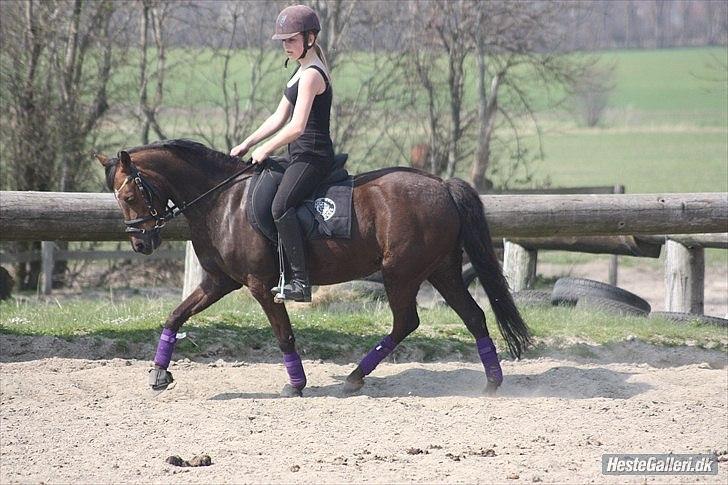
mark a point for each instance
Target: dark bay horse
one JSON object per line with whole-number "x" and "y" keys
{"x": 408, "y": 224}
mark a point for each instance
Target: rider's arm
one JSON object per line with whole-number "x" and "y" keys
{"x": 272, "y": 124}
{"x": 309, "y": 84}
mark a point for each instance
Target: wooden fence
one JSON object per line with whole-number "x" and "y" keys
{"x": 49, "y": 254}
{"x": 684, "y": 261}
{"x": 602, "y": 189}
{"x": 95, "y": 217}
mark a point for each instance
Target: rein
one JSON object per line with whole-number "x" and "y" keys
{"x": 170, "y": 212}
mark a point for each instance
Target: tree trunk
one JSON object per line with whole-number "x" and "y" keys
{"x": 143, "y": 79}
{"x": 487, "y": 109}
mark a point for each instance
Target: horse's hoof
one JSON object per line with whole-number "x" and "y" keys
{"x": 354, "y": 381}
{"x": 290, "y": 391}
{"x": 160, "y": 379}
{"x": 351, "y": 386}
{"x": 491, "y": 387}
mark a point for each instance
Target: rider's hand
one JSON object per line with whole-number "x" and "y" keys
{"x": 240, "y": 150}
{"x": 260, "y": 154}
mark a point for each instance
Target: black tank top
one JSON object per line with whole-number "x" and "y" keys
{"x": 314, "y": 144}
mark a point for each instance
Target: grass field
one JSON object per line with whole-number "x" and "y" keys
{"x": 238, "y": 322}
{"x": 666, "y": 128}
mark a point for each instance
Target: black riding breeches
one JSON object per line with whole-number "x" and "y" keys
{"x": 299, "y": 181}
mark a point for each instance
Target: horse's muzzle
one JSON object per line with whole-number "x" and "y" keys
{"x": 147, "y": 242}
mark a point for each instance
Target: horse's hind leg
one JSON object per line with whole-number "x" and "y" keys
{"x": 402, "y": 296}
{"x": 447, "y": 280}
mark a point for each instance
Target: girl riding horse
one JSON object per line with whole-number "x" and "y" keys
{"x": 306, "y": 105}
{"x": 408, "y": 224}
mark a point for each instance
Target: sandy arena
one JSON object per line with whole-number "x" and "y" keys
{"x": 75, "y": 420}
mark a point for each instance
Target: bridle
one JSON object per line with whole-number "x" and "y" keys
{"x": 170, "y": 211}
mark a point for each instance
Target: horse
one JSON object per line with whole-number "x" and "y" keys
{"x": 410, "y": 225}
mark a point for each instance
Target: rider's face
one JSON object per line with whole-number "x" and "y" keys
{"x": 293, "y": 46}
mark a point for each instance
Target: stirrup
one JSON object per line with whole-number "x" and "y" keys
{"x": 296, "y": 290}
{"x": 279, "y": 295}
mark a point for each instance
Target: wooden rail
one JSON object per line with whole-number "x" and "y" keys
{"x": 684, "y": 261}
{"x": 61, "y": 255}
{"x": 95, "y": 217}
{"x": 50, "y": 216}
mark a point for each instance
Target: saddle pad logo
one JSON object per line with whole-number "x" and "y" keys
{"x": 326, "y": 207}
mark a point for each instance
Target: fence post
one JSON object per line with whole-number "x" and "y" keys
{"x": 47, "y": 249}
{"x": 614, "y": 259}
{"x": 519, "y": 265}
{"x": 193, "y": 271}
{"x": 684, "y": 278}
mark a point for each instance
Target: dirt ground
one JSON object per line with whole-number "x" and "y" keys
{"x": 65, "y": 418}
{"x": 68, "y": 419}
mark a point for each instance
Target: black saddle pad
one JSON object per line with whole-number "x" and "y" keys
{"x": 326, "y": 214}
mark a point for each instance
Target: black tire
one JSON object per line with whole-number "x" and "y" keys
{"x": 375, "y": 277}
{"x": 532, "y": 297}
{"x": 679, "y": 317}
{"x": 609, "y": 306}
{"x": 469, "y": 274}
{"x": 568, "y": 291}
{"x": 6, "y": 284}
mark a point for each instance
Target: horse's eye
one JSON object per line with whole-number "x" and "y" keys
{"x": 129, "y": 199}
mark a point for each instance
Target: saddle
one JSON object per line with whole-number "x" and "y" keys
{"x": 325, "y": 214}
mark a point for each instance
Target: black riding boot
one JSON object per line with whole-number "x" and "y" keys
{"x": 289, "y": 232}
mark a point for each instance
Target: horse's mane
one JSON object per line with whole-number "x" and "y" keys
{"x": 194, "y": 153}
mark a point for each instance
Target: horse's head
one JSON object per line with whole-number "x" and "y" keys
{"x": 143, "y": 205}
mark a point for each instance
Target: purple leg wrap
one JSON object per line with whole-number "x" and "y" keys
{"x": 489, "y": 357}
{"x": 294, "y": 366}
{"x": 165, "y": 348}
{"x": 377, "y": 354}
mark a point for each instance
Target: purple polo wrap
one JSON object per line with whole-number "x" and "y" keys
{"x": 377, "y": 354}
{"x": 294, "y": 366}
{"x": 489, "y": 357}
{"x": 165, "y": 348}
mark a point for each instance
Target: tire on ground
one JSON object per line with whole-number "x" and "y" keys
{"x": 469, "y": 274}
{"x": 6, "y": 284}
{"x": 679, "y": 317}
{"x": 568, "y": 291}
{"x": 532, "y": 297}
{"x": 609, "y": 306}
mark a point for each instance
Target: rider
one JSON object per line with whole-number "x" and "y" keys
{"x": 306, "y": 106}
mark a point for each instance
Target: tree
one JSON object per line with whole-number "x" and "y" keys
{"x": 242, "y": 24}
{"x": 153, "y": 16}
{"x": 519, "y": 50}
{"x": 54, "y": 75}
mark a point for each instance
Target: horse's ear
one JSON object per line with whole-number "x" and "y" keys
{"x": 103, "y": 159}
{"x": 125, "y": 160}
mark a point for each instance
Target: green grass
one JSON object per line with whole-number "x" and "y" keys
{"x": 643, "y": 161}
{"x": 238, "y": 324}
{"x": 669, "y": 80}
{"x": 666, "y": 129}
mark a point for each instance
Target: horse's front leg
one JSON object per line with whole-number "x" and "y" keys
{"x": 279, "y": 320}
{"x": 208, "y": 292}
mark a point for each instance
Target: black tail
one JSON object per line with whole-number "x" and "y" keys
{"x": 476, "y": 239}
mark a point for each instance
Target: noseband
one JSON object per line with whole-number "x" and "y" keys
{"x": 148, "y": 192}
{"x": 170, "y": 211}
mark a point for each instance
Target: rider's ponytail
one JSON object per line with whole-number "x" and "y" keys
{"x": 322, "y": 56}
